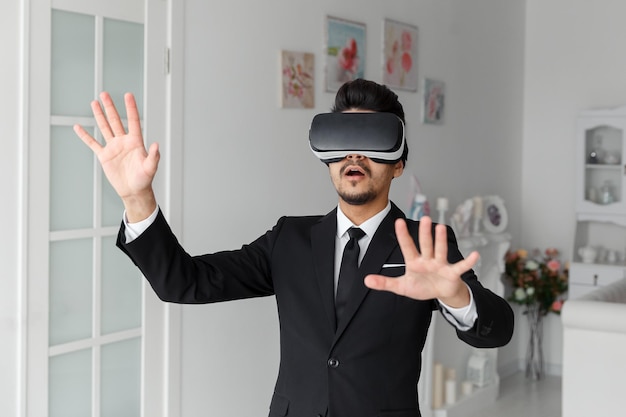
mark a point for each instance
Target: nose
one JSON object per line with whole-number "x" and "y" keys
{"x": 355, "y": 156}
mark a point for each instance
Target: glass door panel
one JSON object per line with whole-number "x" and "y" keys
{"x": 71, "y": 291}
{"x": 112, "y": 207}
{"x": 121, "y": 290}
{"x": 123, "y": 60}
{"x": 71, "y": 181}
{"x": 73, "y": 63}
{"x": 70, "y": 384}
{"x": 121, "y": 379}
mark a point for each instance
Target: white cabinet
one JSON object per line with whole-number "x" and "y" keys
{"x": 590, "y": 276}
{"x": 601, "y": 180}
{"x": 600, "y": 200}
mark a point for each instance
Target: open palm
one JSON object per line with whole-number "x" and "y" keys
{"x": 127, "y": 165}
{"x": 428, "y": 274}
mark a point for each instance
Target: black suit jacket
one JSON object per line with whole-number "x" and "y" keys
{"x": 366, "y": 365}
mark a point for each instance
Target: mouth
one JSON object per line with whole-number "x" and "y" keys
{"x": 354, "y": 172}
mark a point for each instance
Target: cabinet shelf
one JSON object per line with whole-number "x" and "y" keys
{"x": 615, "y": 167}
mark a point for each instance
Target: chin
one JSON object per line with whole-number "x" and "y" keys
{"x": 357, "y": 199}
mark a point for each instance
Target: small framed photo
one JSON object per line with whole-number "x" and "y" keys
{"x": 495, "y": 217}
{"x": 400, "y": 55}
{"x": 345, "y": 52}
{"x": 298, "y": 80}
{"x": 434, "y": 101}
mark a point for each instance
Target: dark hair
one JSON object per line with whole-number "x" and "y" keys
{"x": 368, "y": 95}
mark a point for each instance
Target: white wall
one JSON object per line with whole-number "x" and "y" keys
{"x": 573, "y": 62}
{"x": 10, "y": 27}
{"x": 246, "y": 161}
{"x": 566, "y": 62}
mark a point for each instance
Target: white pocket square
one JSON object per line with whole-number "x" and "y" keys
{"x": 394, "y": 265}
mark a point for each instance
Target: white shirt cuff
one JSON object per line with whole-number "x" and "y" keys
{"x": 463, "y": 318}
{"x": 133, "y": 230}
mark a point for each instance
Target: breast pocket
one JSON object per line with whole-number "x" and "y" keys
{"x": 392, "y": 269}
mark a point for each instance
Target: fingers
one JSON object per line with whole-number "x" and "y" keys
{"x": 407, "y": 244}
{"x": 425, "y": 237}
{"x": 132, "y": 114}
{"x": 108, "y": 118}
{"x": 113, "y": 121}
{"x": 466, "y": 264}
{"x": 93, "y": 144}
{"x": 429, "y": 249}
{"x": 101, "y": 120}
{"x": 441, "y": 243}
{"x": 110, "y": 124}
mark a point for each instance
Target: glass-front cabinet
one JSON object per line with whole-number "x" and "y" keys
{"x": 599, "y": 256}
{"x": 601, "y": 153}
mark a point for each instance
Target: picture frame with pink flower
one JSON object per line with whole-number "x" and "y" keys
{"x": 297, "y": 80}
{"x": 434, "y": 97}
{"x": 400, "y": 55}
{"x": 345, "y": 51}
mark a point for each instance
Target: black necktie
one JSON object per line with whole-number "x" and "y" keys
{"x": 349, "y": 270}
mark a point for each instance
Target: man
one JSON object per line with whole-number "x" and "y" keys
{"x": 345, "y": 352}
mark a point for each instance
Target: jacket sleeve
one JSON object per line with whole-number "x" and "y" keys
{"x": 495, "y": 322}
{"x": 178, "y": 277}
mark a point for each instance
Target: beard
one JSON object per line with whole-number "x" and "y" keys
{"x": 357, "y": 199}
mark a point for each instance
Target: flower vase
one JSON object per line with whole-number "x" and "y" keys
{"x": 534, "y": 354}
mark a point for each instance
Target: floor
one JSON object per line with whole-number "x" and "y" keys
{"x": 521, "y": 397}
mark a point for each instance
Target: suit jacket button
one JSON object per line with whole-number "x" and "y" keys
{"x": 333, "y": 363}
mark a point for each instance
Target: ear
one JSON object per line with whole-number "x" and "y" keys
{"x": 398, "y": 169}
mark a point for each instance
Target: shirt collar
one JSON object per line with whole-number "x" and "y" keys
{"x": 369, "y": 226}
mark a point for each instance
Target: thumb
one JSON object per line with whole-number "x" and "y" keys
{"x": 382, "y": 283}
{"x": 152, "y": 161}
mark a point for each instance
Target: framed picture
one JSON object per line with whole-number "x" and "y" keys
{"x": 400, "y": 55}
{"x": 345, "y": 52}
{"x": 434, "y": 100}
{"x": 495, "y": 218}
{"x": 298, "y": 80}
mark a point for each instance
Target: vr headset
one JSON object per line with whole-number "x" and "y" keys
{"x": 379, "y": 136}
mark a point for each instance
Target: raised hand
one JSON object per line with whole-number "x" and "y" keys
{"x": 127, "y": 165}
{"x": 428, "y": 274}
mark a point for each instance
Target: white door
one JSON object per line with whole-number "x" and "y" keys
{"x": 97, "y": 340}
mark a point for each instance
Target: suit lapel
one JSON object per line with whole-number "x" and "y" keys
{"x": 382, "y": 245}
{"x": 323, "y": 249}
